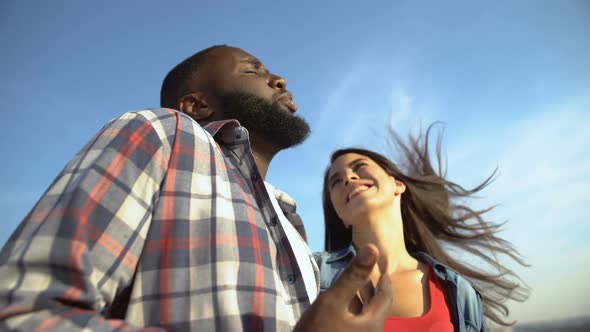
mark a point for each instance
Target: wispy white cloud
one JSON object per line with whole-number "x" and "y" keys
{"x": 546, "y": 163}
{"x": 543, "y": 188}
{"x": 559, "y": 285}
{"x": 401, "y": 106}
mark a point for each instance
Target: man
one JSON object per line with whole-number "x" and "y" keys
{"x": 164, "y": 221}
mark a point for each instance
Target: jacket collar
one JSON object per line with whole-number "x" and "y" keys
{"x": 442, "y": 271}
{"x": 341, "y": 254}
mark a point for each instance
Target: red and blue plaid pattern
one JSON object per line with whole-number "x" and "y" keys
{"x": 157, "y": 223}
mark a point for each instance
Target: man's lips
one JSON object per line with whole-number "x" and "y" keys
{"x": 287, "y": 100}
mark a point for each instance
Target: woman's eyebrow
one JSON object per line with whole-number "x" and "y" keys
{"x": 356, "y": 161}
{"x": 350, "y": 164}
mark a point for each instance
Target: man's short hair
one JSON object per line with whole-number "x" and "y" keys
{"x": 177, "y": 82}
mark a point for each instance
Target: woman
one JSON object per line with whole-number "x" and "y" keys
{"x": 418, "y": 221}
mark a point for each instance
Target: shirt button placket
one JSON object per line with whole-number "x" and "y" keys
{"x": 291, "y": 279}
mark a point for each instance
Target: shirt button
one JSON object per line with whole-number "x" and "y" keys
{"x": 254, "y": 177}
{"x": 273, "y": 221}
{"x": 291, "y": 279}
{"x": 240, "y": 131}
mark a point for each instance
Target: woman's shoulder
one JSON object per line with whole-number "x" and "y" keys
{"x": 446, "y": 273}
{"x": 331, "y": 264}
{"x": 331, "y": 257}
{"x": 467, "y": 299}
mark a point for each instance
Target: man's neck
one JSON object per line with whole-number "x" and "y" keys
{"x": 263, "y": 154}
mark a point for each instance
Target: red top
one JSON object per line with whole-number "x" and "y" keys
{"x": 437, "y": 319}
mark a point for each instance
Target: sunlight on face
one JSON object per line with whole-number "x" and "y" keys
{"x": 359, "y": 187}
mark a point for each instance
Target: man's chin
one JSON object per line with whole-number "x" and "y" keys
{"x": 272, "y": 122}
{"x": 295, "y": 134}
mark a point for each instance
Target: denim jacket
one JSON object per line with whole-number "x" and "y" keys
{"x": 465, "y": 302}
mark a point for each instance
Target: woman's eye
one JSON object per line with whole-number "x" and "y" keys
{"x": 359, "y": 165}
{"x": 335, "y": 182}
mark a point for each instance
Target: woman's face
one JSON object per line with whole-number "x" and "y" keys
{"x": 358, "y": 186}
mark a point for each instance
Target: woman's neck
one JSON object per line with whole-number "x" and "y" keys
{"x": 385, "y": 230}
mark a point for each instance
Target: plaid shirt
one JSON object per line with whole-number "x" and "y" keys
{"x": 155, "y": 224}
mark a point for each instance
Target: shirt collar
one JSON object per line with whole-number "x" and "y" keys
{"x": 217, "y": 126}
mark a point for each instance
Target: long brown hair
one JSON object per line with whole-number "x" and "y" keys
{"x": 437, "y": 220}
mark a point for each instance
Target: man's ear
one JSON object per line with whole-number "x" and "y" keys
{"x": 196, "y": 106}
{"x": 400, "y": 187}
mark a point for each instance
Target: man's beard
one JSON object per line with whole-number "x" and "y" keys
{"x": 265, "y": 120}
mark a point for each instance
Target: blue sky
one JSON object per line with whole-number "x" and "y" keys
{"x": 510, "y": 80}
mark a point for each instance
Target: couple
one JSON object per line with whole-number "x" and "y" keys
{"x": 163, "y": 221}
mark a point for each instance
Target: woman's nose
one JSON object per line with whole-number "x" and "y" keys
{"x": 351, "y": 177}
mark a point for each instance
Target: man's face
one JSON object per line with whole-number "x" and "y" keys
{"x": 242, "y": 88}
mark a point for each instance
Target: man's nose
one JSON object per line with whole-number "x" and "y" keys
{"x": 277, "y": 82}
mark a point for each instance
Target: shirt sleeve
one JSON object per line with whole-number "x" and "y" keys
{"x": 72, "y": 259}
